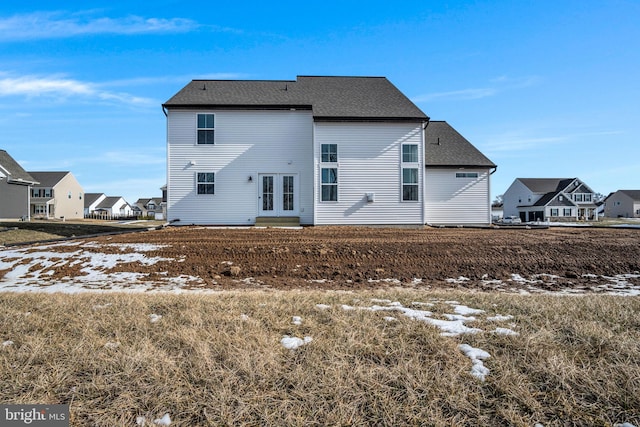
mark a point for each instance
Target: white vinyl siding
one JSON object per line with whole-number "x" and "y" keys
{"x": 451, "y": 200}
{"x": 246, "y": 143}
{"x": 369, "y": 162}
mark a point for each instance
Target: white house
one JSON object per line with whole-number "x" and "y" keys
{"x": 101, "y": 204}
{"x": 623, "y": 204}
{"x": 550, "y": 199}
{"x": 323, "y": 150}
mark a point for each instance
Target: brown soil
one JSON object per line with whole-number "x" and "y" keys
{"x": 358, "y": 257}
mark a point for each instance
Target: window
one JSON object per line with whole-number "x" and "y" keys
{"x": 329, "y": 185}
{"x": 577, "y": 197}
{"x": 409, "y": 184}
{"x": 206, "y": 129}
{"x": 410, "y": 153}
{"x": 554, "y": 212}
{"x": 466, "y": 174}
{"x": 205, "y": 182}
{"x": 587, "y": 197}
{"x": 566, "y": 212}
{"x": 329, "y": 153}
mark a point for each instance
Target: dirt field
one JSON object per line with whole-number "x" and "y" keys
{"x": 359, "y": 257}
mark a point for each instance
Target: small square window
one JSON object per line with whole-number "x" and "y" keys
{"x": 329, "y": 153}
{"x": 410, "y": 153}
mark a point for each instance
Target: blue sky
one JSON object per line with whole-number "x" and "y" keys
{"x": 543, "y": 88}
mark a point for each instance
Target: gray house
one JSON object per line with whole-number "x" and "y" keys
{"x": 321, "y": 150}
{"x": 15, "y": 184}
{"x": 623, "y": 204}
{"x": 550, "y": 199}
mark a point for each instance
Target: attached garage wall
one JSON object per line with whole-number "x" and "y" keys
{"x": 457, "y": 201}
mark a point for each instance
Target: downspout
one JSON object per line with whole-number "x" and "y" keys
{"x": 495, "y": 168}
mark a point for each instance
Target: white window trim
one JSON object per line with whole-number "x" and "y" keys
{"x": 329, "y": 165}
{"x": 410, "y": 165}
{"x": 198, "y": 128}
{"x": 197, "y": 183}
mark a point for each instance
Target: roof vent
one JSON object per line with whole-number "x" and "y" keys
{"x": 204, "y": 86}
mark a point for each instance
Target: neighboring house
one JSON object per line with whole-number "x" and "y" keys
{"x": 114, "y": 206}
{"x": 623, "y": 204}
{"x": 15, "y": 188}
{"x": 550, "y": 199}
{"x": 324, "y": 150}
{"x": 151, "y": 207}
{"x": 58, "y": 195}
{"x": 456, "y": 178}
{"x": 101, "y": 204}
{"x": 91, "y": 202}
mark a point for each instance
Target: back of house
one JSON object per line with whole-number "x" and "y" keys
{"x": 319, "y": 150}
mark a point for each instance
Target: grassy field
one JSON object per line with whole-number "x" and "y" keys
{"x": 218, "y": 359}
{"x": 13, "y": 232}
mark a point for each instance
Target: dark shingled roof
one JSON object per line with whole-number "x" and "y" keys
{"x": 634, "y": 194}
{"x": 48, "y": 179}
{"x": 16, "y": 173}
{"x": 445, "y": 147}
{"x": 546, "y": 185}
{"x": 90, "y": 198}
{"x": 328, "y": 97}
{"x": 108, "y": 202}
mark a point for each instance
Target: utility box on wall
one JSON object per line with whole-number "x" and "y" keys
{"x": 371, "y": 197}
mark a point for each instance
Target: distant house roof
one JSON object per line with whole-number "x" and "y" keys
{"x": 108, "y": 202}
{"x": 444, "y": 146}
{"x": 328, "y": 97}
{"x": 633, "y": 194}
{"x": 546, "y": 185}
{"x": 14, "y": 170}
{"x": 49, "y": 179}
{"x": 90, "y": 198}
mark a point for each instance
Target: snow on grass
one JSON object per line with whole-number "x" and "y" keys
{"x": 164, "y": 421}
{"x": 7, "y": 343}
{"x": 477, "y": 356}
{"x": 323, "y": 306}
{"x": 293, "y": 343}
{"x": 153, "y": 318}
{"x": 296, "y": 320}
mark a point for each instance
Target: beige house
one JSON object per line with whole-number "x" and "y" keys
{"x": 15, "y": 183}
{"x": 623, "y": 204}
{"x": 59, "y": 195}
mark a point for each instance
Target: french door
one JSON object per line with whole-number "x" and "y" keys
{"x": 278, "y": 194}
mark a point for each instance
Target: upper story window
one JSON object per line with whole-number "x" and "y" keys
{"x": 206, "y": 128}
{"x": 410, "y": 153}
{"x": 466, "y": 174}
{"x": 329, "y": 153}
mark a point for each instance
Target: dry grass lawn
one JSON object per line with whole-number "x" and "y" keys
{"x": 217, "y": 359}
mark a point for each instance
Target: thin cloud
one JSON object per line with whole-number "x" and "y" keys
{"x": 496, "y": 85}
{"x": 48, "y": 25}
{"x": 457, "y": 95}
{"x": 517, "y": 142}
{"x": 62, "y": 88}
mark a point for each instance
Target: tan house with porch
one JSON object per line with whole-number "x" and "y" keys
{"x": 58, "y": 195}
